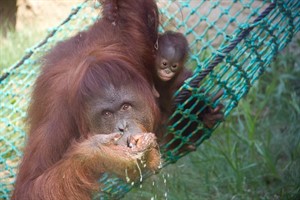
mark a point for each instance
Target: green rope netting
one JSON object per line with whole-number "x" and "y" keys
{"x": 232, "y": 43}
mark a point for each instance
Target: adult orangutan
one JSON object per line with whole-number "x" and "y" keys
{"x": 93, "y": 107}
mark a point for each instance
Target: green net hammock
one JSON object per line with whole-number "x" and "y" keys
{"x": 232, "y": 43}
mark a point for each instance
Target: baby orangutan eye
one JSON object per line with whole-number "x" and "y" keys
{"x": 164, "y": 63}
{"x": 174, "y": 66}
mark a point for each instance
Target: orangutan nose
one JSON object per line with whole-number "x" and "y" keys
{"x": 122, "y": 126}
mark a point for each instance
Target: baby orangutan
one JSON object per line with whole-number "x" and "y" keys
{"x": 172, "y": 52}
{"x": 170, "y": 58}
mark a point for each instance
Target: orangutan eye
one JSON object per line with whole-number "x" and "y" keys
{"x": 107, "y": 113}
{"x": 174, "y": 66}
{"x": 126, "y": 106}
{"x": 164, "y": 63}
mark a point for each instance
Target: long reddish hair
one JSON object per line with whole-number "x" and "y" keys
{"x": 74, "y": 70}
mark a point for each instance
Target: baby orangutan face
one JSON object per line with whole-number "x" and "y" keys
{"x": 171, "y": 55}
{"x": 168, "y": 68}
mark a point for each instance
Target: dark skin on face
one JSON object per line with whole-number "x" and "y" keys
{"x": 168, "y": 66}
{"x": 118, "y": 118}
{"x": 171, "y": 55}
{"x": 120, "y": 110}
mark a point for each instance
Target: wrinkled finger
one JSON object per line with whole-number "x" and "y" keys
{"x": 107, "y": 139}
{"x": 218, "y": 95}
{"x": 209, "y": 124}
{"x": 218, "y": 108}
{"x": 147, "y": 140}
{"x": 140, "y": 141}
{"x": 218, "y": 117}
{"x": 131, "y": 141}
{"x": 114, "y": 137}
{"x": 208, "y": 117}
{"x": 214, "y": 117}
{"x": 211, "y": 120}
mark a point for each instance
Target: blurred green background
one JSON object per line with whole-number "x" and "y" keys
{"x": 254, "y": 154}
